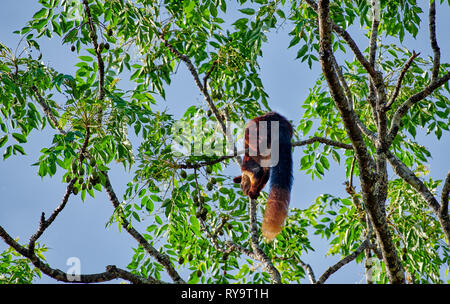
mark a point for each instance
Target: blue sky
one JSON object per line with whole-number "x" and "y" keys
{"x": 79, "y": 231}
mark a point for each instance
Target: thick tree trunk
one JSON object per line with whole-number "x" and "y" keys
{"x": 371, "y": 181}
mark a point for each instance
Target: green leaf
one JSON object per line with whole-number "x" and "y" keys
{"x": 19, "y": 149}
{"x": 3, "y": 140}
{"x": 302, "y": 51}
{"x": 281, "y": 13}
{"x": 7, "y": 152}
{"x": 40, "y": 13}
{"x": 19, "y": 137}
{"x": 307, "y": 127}
{"x": 247, "y": 11}
{"x": 86, "y": 58}
{"x": 149, "y": 206}
{"x": 136, "y": 216}
{"x": 324, "y": 162}
{"x": 189, "y": 7}
{"x": 195, "y": 225}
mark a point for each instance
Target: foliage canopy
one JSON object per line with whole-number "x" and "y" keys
{"x": 198, "y": 220}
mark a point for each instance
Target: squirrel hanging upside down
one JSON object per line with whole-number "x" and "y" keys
{"x": 268, "y": 154}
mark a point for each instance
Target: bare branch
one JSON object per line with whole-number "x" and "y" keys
{"x": 374, "y": 31}
{"x": 135, "y": 279}
{"x": 111, "y": 273}
{"x": 444, "y": 199}
{"x": 309, "y": 271}
{"x": 236, "y": 247}
{"x": 349, "y": 98}
{"x": 44, "y": 224}
{"x": 348, "y": 93}
{"x": 323, "y": 141}
{"x": 345, "y": 260}
{"x": 400, "y": 79}
{"x": 434, "y": 44}
{"x": 408, "y": 176}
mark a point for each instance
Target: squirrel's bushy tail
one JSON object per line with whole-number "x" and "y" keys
{"x": 275, "y": 213}
{"x": 280, "y": 185}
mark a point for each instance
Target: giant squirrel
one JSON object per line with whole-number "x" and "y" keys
{"x": 261, "y": 163}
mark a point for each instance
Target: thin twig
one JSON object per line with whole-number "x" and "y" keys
{"x": 47, "y": 110}
{"x": 323, "y": 141}
{"x": 400, "y": 79}
{"x": 211, "y": 69}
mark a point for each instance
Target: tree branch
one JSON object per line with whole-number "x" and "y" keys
{"x": 47, "y": 110}
{"x": 365, "y": 162}
{"x": 347, "y": 113}
{"x": 322, "y": 140}
{"x": 161, "y": 258}
{"x": 349, "y": 98}
{"x": 309, "y": 271}
{"x": 111, "y": 273}
{"x": 346, "y": 260}
{"x": 445, "y": 196}
{"x": 205, "y": 79}
{"x": 93, "y": 37}
{"x": 352, "y": 44}
{"x": 44, "y": 224}
{"x": 374, "y": 31}
{"x": 400, "y": 79}
{"x": 208, "y": 162}
{"x": 434, "y": 44}
{"x": 409, "y": 177}
{"x": 259, "y": 254}
{"x": 344, "y": 84}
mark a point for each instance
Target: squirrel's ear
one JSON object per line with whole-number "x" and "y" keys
{"x": 237, "y": 179}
